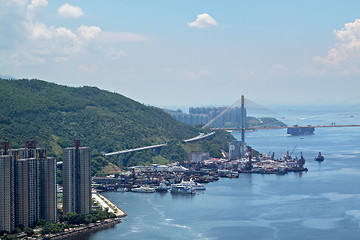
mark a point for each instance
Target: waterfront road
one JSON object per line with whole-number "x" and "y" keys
{"x": 106, "y": 204}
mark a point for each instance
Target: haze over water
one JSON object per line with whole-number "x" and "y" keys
{"x": 322, "y": 203}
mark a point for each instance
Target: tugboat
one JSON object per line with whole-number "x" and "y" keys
{"x": 319, "y": 158}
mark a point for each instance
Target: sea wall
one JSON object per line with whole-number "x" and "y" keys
{"x": 83, "y": 229}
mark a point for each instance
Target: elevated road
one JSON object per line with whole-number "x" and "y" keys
{"x": 197, "y": 138}
{"x": 135, "y": 149}
{"x": 200, "y": 137}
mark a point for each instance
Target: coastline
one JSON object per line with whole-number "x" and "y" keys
{"x": 105, "y": 204}
{"x": 92, "y": 227}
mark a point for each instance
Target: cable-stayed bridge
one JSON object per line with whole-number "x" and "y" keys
{"x": 261, "y": 128}
{"x": 238, "y": 112}
{"x": 298, "y": 122}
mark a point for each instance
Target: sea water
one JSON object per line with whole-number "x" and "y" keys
{"x": 323, "y": 203}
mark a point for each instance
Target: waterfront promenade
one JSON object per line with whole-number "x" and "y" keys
{"x": 106, "y": 204}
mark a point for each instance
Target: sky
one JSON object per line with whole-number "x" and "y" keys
{"x": 188, "y": 52}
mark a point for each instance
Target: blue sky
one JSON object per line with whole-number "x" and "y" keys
{"x": 183, "y": 52}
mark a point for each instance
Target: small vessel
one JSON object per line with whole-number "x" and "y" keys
{"x": 121, "y": 189}
{"x": 319, "y": 158}
{"x": 162, "y": 188}
{"x": 181, "y": 188}
{"x": 143, "y": 189}
{"x": 195, "y": 185}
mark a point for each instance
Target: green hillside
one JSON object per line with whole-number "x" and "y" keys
{"x": 54, "y": 115}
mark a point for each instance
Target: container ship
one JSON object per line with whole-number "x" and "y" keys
{"x": 297, "y": 130}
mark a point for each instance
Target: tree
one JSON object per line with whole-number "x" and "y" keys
{"x": 74, "y": 218}
{"x": 29, "y": 232}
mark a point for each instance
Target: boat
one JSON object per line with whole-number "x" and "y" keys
{"x": 162, "y": 188}
{"x": 182, "y": 188}
{"x": 121, "y": 189}
{"x": 298, "y": 130}
{"x": 143, "y": 189}
{"x": 195, "y": 185}
{"x": 319, "y": 158}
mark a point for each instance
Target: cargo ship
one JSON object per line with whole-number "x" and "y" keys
{"x": 297, "y": 130}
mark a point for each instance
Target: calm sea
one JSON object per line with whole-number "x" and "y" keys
{"x": 323, "y": 203}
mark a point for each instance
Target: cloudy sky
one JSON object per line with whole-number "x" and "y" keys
{"x": 186, "y": 52}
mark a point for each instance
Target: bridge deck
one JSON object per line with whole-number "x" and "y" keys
{"x": 201, "y": 136}
{"x": 259, "y": 128}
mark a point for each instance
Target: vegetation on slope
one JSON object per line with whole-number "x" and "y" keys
{"x": 54, "y": 115}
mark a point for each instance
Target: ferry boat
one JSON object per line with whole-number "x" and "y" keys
{"x": 143, "y": 189}
{"x": 181, "y": 188}
{"x": 195, "y": 185}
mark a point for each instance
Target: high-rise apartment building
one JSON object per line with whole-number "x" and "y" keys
{"x": 7, "y": 191}
{"x": 27, "y": 186}
{"x": 27, "y": 191}
{"x": 48, "y": 189}
{"x": 76, "y": 179}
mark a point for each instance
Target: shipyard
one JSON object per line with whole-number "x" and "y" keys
{"x": 199, "y": 172}
{"x": 200, "y": 168}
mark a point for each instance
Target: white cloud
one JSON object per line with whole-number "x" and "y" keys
{"x": 16, "y": 2}
{"x": 88, "y": 69}
{"x": 124, "y": 37}
{"x": 28, "y": 41}
{"x": 62, "y": 32}
{"x": 37, "y": 3}
{"x": 347, "y": 49}
{"x": 197, "y": 75}
{"x": 203, "y": 21}
{"x": 89, "y": 32}
{"x": 61, "y": 44}
{"x": 115, "y": 54}
{"x": 37, "y": 30}
{"x": 279, "y": 69}
{"x": 69, "y": 11}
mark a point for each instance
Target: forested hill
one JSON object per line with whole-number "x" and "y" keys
{"x": 54, "y": 115}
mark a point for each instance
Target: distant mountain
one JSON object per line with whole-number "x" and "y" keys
{"x": 7, "y": 76}
{"x": 54, "y": 115}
